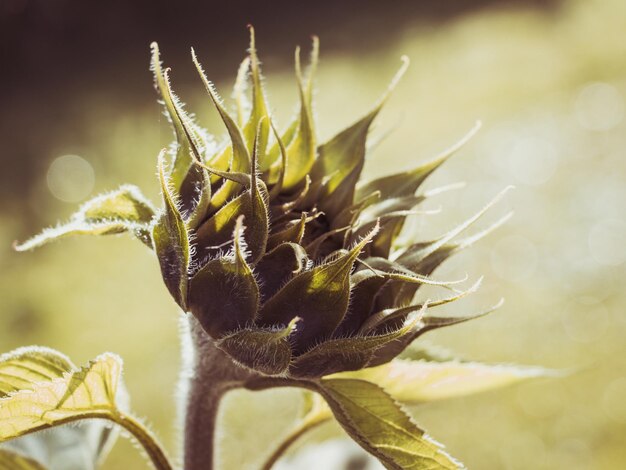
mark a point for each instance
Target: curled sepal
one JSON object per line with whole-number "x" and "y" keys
{"x": 428, "y": 323}
{"x": 91, "y": 392}
{"x": 251, "y": 204}
{"x": 227, "y": 275}
{"x": 416, "y": 382}
{"x": 318, "y": 296}
{"x": 368, "y": 283}
{"x": 408, "y": 182}
{"x": 195, "y": 187}
{"x": 241, "y": 161}
{"x": 419, "y": 252}
{"x": 171, "y": 241}
{"x": 257, "y": 129}
{"x": 390, "y": 316}
{"x": 350, "y": 353}
{"x": 14, "y": 461}
{"x": 301, "y": 148}
{"x": 379, "y": 424}
{"x": 119, "y": 211}
{"x": 184, "y": 157}
{"x": 267, "y": 351}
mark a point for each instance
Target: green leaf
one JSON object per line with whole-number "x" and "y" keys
{"x": 87, "y": 393}
{"x": 52, "y": 392}
{"x": 229, "y": 276}
{"x": 82, "y": 445}
{"x": 415, "y": 382}
{"x": 14, "y": 461}
{"x": 23, "y": 367}
{"x": 378, "y": 424}
{"x": 263, "y": 350}
{"x": 171, "y": 241}
{"x": 119, "y": 211}
{"x": 407, "y": 182}
{"x": 318, "y": 296}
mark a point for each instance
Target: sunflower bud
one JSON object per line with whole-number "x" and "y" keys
{"x": 288, "y": 260}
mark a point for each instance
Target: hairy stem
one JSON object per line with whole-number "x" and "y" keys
{"x": 146, "y": 439}
{"x": 209, "y": 374}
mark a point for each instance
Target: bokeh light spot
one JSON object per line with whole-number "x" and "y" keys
{"x": 613, "y": 400}
{"x": 599, "y": 107}
{"x": 607, "y": 242}
{"x": 514, "y": 258}
{"x": 70, "y": 178}
{"x": 586, "y": 322}
{"x": 532, "y": 161}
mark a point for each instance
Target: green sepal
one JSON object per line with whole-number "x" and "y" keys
{"x": 286, "y": 204}
{"x": 227, "y": 275}
{"x": 267, "y": 351}
{"x": 378, "y": 423}
{"x": 253, "y": 206}
{"x": 290, "y": 232}
{"x": 257, "y": 128}
{"x": 119, "y": 211}
{"x": 427, "y": 323}
{"x": 279, "y": 180}
{"x": 342, "y": 158}
{"x": 388, "y": 318}
{"x": 407, "y": 183}
{"x": 195, "y": 189}
{"x": 366, "y": 286}
{"x": 349, "y": 353}
{"x": 425, "y": 257}
{"x": 185, "y": 130}
{"x": 319, "y": 296}
{"x": 301, "y": 148}
{"x": 278, "y": 266}
{"x": 171, "y": 241}
{"x": 240, "y": 161}
{"x": 350, "y": 214}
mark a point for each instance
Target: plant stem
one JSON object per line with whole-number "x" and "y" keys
{"x": 210, "y": 374}
{"x": 147, "y": 440}
{"x": 302, "y": 428}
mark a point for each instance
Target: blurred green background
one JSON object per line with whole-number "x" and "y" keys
{"x": 548, "y": 80}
